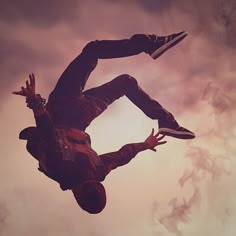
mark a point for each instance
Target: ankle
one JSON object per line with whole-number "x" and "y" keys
{"x": 164, "y": 115}
{"x": 144, "y": 41}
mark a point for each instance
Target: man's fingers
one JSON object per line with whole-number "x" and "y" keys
{"x": 152, "y": 133}
{"x": 27, "y": 84}
{"x": 153, "y": 149}
{"x": 157, "y": 134}
{"x": 29, "y": 89}
{"x": 33, "y": 76}
{"x": 160, "y": 138}
{"x": 24, "y": 91}
{"x": 17, "y": 93}
{"x": 33, "y": 81}
{"x": 163, "y": 142}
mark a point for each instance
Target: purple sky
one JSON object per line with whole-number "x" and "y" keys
{"x": 195, "y": 81}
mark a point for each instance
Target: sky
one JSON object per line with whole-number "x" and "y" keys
{"x": 186, "y": 187}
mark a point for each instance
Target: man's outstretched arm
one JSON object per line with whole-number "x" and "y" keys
{"x": 125, "y": 154}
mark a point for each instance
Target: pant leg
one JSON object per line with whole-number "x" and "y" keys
{"x": 128, "y": 86}
{"x": 74, "y": 78}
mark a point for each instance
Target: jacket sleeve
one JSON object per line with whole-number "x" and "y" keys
{"x": 123, "y": 156}
{"x": 42, "y": 117}
{"x": 45, "y": 125}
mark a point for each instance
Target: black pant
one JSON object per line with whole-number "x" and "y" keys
{"x": 72, "y": 82}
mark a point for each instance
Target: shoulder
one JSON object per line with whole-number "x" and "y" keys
{"x": 31, "y": 132}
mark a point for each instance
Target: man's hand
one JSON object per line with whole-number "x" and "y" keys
{"x": 154, "y": 140}
{"x": 33, "y": 101}
{"x": 29, "y": 90}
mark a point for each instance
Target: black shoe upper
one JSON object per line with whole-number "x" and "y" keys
{"x": 156, "y": 42}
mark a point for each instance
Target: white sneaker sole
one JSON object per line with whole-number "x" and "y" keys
{"x": 156, "y": 53}
{"x": 176, "y": 134}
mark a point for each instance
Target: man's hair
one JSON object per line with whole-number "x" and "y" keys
{"x": 91, "y": 196}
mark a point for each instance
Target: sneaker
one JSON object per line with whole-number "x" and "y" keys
{"x": 173, "y": 129}
{"x": 163, "y": 43}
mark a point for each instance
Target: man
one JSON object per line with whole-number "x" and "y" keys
{"x": 59, "y": 142}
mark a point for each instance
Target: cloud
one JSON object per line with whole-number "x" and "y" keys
{"x": 195, "y": 81}
{"x": 219, "y": 97}
{"x": 179, "y": 211}
{"x": 155, "y": 5}
{"x": 37, "y": 13}
{"x": 3, "y": 216}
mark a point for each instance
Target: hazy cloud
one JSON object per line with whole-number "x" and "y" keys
{"x": 195, "y": 81}
{"x": 38, "y": 13}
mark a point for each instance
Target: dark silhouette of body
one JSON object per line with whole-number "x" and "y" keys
{"x": 59, "y": 141}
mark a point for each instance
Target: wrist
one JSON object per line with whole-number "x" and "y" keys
{"x": 36, "y": 102}
{"x": 146, "y": 145}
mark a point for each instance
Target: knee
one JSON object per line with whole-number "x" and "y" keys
{"x": 90, "y": 47}
{"x": 139, "y": 38}
{"x": 127, "y": 80}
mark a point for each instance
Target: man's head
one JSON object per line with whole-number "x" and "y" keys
{"x": 91, "y": 196}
